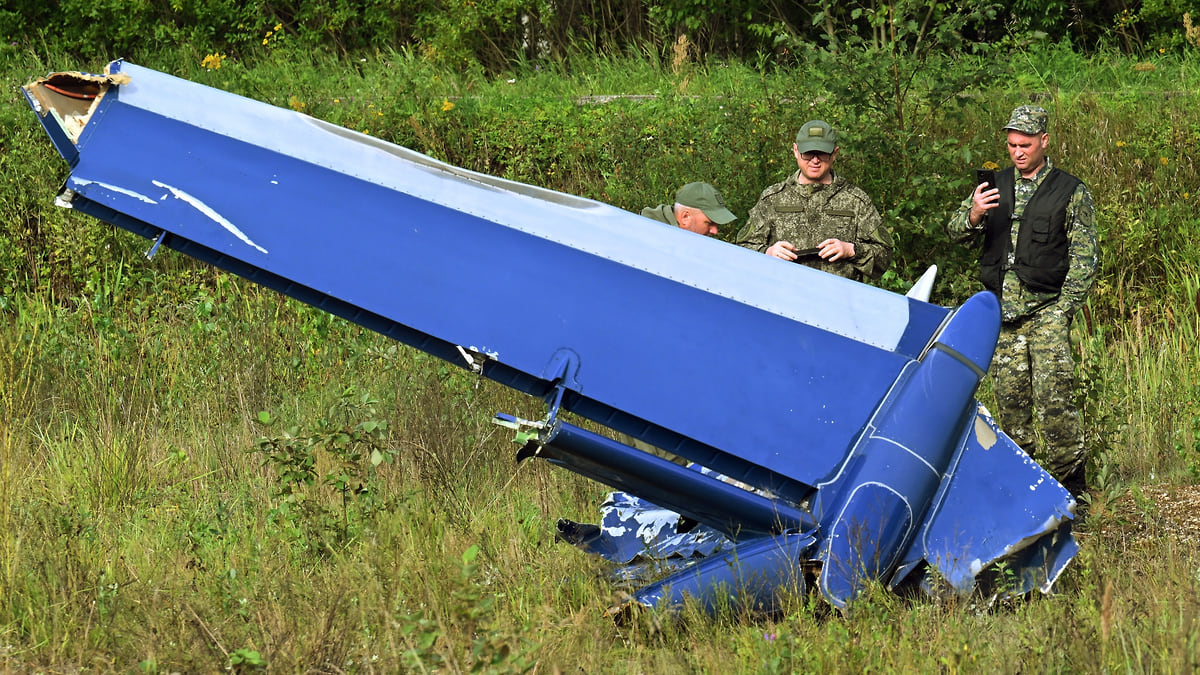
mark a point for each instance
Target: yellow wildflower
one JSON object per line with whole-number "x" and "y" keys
{"x": 447, "y": 106}
{"x": 278, "y": 26}
{"x": 212, "y": 61}
{"x": 1120, "y": 144}
{"x": 1162, "y": 160}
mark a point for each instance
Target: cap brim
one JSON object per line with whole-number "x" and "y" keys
{"x": 720, "y": 216}
{"x": 816, "y": 146}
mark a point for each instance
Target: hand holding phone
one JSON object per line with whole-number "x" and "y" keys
{"x": 985, "y": 181}
{"x": 986, "y": 177}
{"x": 804, "y": 253}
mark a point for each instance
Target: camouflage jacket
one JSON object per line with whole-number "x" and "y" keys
{"x": 806, "y": 214}
{"x": 1017, "y": 301}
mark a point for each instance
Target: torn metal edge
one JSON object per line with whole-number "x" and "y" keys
{"x": 71, "y": 97}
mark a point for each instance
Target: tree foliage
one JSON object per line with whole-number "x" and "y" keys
{"x": 498, "y": 33}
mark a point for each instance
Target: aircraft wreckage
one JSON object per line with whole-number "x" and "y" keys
{"x": 830, "y": 427}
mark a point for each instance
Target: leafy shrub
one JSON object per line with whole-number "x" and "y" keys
{"x": 345, "y": 455}
{"x": 496, "y": 35}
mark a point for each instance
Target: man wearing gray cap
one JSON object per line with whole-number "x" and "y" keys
{"x": 818, "y": 218}
{"x": 1040, "y": 258}
{"x": 698, "y": 208}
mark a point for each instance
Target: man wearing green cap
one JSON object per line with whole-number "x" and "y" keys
{"x": 1040, "y": 257}
{"x": 698, "y": 208}
{"x": 818, "y": 218}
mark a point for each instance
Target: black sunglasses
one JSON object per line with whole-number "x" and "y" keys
{"x": 823, "y": 156}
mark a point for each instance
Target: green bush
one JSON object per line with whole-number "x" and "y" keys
{"x": 497, "y": 35}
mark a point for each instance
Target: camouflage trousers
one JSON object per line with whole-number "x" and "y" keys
{"x": 1034, "y": 377}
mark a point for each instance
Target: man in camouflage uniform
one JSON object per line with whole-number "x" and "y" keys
{"x": 818, "y": 218}
{"x": 698, "y": 208}
{"x": 1040, "y": 257}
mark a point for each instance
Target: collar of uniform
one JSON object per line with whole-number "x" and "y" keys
{"x": 668, "y": 210}
{"x": 833, "y": 179}
{"x": 1041, "y": 173}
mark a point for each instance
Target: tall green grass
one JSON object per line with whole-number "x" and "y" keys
{"x": 144, "y": 527}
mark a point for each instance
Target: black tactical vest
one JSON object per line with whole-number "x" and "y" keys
{"x": 1041, "y": 259}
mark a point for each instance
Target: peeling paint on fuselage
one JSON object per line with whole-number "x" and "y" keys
{"x": 113, "y": 188}
{"x": 984, "y": 433}
{"x": 208, "y": 211}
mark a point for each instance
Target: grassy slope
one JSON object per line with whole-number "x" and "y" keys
{"x": 139, "y": 526}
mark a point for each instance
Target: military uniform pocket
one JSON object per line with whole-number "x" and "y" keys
{"x": 839, "y": 224}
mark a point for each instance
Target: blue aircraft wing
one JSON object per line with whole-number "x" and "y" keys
{"x": 829, "y": 408}
{"x": 534, "y": 284}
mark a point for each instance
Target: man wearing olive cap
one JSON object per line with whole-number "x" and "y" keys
{"x": 818, "y": 218}
{"x": 698, "y": 208}
{"x": 1040, "y": 258}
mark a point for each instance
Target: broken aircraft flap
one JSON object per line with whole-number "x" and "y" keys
{"x": 831, "y": 425}
{"x": 1023, "y": 520}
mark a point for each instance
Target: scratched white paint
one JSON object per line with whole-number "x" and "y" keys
{"x": 208, "y": 211}
{"x": 82, "y": 182}
{"x": 490, "y": 353}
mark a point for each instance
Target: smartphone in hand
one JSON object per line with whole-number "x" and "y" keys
{"x": 803, "y": 253}
{"x": 985, "y": 177}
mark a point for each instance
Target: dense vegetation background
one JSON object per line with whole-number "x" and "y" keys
{"x": 196, "y": 474}
{"x": 495, "y": 34}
